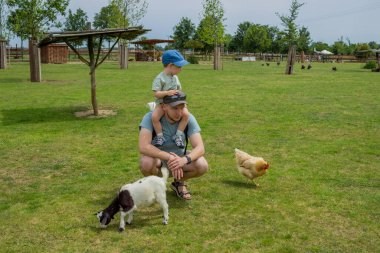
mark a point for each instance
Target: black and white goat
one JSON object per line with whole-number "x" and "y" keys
{"x": 143, "y": 192}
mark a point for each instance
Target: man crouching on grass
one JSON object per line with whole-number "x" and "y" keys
{"x": 182, "y": 166}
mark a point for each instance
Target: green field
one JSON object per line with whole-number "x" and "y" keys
{"x": 319, "y": 130}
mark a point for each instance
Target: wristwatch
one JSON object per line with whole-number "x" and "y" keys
{"x": 188, "y": 158}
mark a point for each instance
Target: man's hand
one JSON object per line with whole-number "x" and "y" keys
{"x": 176, "y": 164}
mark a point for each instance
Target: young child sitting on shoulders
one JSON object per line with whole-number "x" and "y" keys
{"x": 167, "y": 84}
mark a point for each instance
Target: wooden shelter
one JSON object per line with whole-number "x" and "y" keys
{"x": 142, "y": 56}
{"x": 94, "y": 47}
{"x": 377, "y": 54}
{"x": 54, "y": 53}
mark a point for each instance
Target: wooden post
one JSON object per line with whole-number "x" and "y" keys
{"x": 34, "y": 61}
{"x": 302, "y": 56}
{"x": 123, "y": 56}
{"x": 217, "y": 61}
{"x": 92, "y": 73}
{"x": 291, "y": 60}
{"x": 3, "y": 54}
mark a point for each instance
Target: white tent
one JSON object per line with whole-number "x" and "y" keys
{"x": 325, "y": 52}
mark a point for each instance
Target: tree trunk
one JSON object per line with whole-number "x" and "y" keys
{"x": 291, "y": 60}
{"x": 92, "y": 73}
{"x": 3, "y": 54}
{"x": 217, "y": 60}
{"x": 34, "y": 61}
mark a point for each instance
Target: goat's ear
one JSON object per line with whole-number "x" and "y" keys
{"x": 125, "y": 200}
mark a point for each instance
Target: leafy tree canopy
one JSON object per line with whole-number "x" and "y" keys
{"x": 108, "y": 17}
{"x": 76, "y": 21}
{"x": 290, "y": 32}
{"x": 304, "y": 40}
{"x": 33, "y": 17}
{"x": 257, "y": 39}
{"x": 184, "y": 31}
{"x": 211, "y": 28}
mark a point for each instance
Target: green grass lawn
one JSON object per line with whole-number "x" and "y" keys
{"x": 319, "y": 129}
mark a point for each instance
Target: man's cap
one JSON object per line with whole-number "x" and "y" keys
{"x": 176, "y": 99}
{"x": 174, "y": 57}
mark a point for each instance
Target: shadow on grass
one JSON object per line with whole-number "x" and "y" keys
{"x": 38, "y": 115}
{"x": 240, "y": 184}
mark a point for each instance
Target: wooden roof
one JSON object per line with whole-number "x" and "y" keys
{"x": 128, "y": 33}
{"x": 151, "y": 41}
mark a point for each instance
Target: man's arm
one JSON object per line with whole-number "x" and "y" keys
{"x": 146, "y": 148}
{"x": 197, "y": 151}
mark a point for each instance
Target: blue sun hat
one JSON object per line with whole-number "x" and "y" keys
{"x": 174, "y": 57}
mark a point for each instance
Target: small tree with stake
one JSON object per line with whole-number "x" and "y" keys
{"x": 94, "y": 39}
{"x": 291, "y": 33}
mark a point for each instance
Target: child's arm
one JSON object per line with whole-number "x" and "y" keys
{"x": 163, "y": 93}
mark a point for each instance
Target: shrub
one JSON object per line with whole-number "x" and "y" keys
{"x": 370, "y": 65}
{"x": 192, "y": 59}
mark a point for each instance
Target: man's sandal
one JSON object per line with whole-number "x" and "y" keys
{"x": 186, "y": 195}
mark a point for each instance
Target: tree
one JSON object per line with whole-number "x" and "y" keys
{"x": 108, "y": 17}
{"x": 76, "y": 22}
{"x": 212, "y": 28}
{"x": 276, "y": 38}
{"x": 184, "y": 31}
{"x": 132, "y": 11}
{"x": 193, "y": 44}
{"x": 32, "y": 18}
{"x": 339, "y": 47}
{"x": 319, "y": 46}
{"x": 238, "y": 39}
{"x": 257, "y": 39}
{"x": 4, "y": 33}
{"x": 29, "y": 19}
{"x": 373, "y": 45}
{"x": 304, "y": 40}
{"x": 227, "y": 41}
{"x": 290, "y": 32}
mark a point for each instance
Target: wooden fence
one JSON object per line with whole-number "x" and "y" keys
{"x": 15, "y": 54}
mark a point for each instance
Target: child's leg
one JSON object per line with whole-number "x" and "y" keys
{"x": 185, "y": 119}
{"x": 156, "y": 116}
{"x": 178, "y": 137}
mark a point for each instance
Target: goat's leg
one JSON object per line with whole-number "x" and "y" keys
{"x": 161, "y": 199}
{"x": 130, "y": 218}
{"x": 122, "y": 221}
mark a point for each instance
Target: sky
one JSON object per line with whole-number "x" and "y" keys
{"x": 327, "y": 20}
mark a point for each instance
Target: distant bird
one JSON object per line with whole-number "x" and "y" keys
{"x": 249, "y": 166}
{"x": 267, "y": 63}
{"x": 303, "y": 66}
{"x": 309, "y": 66}
{"x": 278, "y": 63}
{"x": 263, "y": 64}
{"x": 334, "y": 69}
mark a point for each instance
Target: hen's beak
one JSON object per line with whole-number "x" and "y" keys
{"x": 266, "y": 166}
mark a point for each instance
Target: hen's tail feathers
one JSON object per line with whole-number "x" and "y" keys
{"x": 165, "y": 173}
